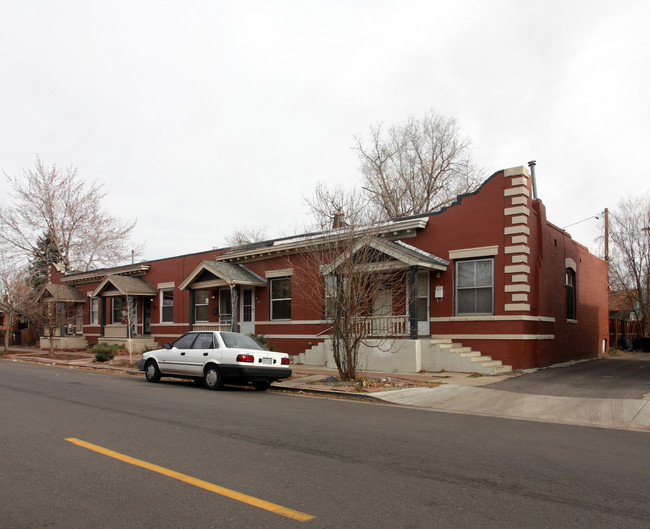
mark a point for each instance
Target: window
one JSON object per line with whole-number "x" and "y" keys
{"x": 570, "y": 294}
{"x": 475, "y": 286}
{"x": 185, "y": 341}
{"x": 94, "y": 311}
{"x": 117, "y": 310}
{"x": 331, "y": 295}
{"x": 167, "y": 306}
{"x": 204, "y": 341}
{"x": 201, "y": 305}
{"x": 281, "y": 298}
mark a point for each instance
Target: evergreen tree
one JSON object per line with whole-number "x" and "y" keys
{"x": 45, "y": 254}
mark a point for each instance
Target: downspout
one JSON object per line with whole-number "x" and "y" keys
{"x": 192, "y": 309}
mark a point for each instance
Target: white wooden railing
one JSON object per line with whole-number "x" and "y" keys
{"x": 383, "y": 326}
{"x": 212, "y": 327}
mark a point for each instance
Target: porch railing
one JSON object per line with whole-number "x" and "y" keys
{"x": 383, "y": 326}
{"x": 212, "y": 327}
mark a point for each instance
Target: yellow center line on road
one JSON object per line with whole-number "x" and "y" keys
{"x": 250, "y": 500}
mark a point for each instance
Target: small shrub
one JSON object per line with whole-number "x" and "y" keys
{"x": 263, "y": 340}
{"x": 104, "y": 352}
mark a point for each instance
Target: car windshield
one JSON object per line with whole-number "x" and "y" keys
{"x": 234, "y": 340}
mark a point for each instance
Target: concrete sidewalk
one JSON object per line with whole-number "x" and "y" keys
{"x": 456, "y": 393}
{"x": 461, "y": 393}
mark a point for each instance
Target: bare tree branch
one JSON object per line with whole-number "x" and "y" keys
{"x": 49, "y": 200}
{"x": 416, "y": 167}
{"x": 629, "y": 264}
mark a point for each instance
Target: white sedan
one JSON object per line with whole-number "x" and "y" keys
{"x": 216, "y": 358}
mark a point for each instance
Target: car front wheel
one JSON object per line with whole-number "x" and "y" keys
{"x": 212, "y": 378}
{"x": 151, "y": 371}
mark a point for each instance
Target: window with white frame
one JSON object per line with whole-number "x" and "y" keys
{"x": 280, "y": 298}
{"x": 116, "y": 310}
{"x": 167, "y": 306}
{"x": 93, "y": 318}
{"x": 474, "y": 282}
{"x": 201, "y": 306}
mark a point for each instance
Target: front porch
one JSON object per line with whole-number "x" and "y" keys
{"x": 404, "y": 355}
{"x": 65, "y": 342}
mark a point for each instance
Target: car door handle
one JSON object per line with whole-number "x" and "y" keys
{"x": 205, "y": 354}
{"x": 182, "y": 354}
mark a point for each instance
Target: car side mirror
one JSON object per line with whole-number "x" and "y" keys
{"x": 168, "y": 346}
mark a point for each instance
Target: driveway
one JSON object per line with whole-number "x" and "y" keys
{"x": 622, "y": 377}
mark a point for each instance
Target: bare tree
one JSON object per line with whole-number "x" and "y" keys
{"x": 243, "y": 236}
{"x": 18, "y": 296}
{"x": 56, "y": 202}
{"x": 330, "y": 206}
{"x": 343, "y": 274}
{"x": 417, "y": 166}
{"x": 629, "y": 265}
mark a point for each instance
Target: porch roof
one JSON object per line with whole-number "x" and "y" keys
{"x": 399, "y": 252}
{"x": 53, "y": 293}
{"x": 212, "y": 274}
{"x": 118, "y": 285}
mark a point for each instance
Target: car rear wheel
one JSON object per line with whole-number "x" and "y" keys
{"x": 261, "y": 385}
{"x": 151, "y": 371}
{"x": 212, "y": 378}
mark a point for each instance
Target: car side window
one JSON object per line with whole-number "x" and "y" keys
{"x": 203, "y": 341}
{"x": 185, "y": 341}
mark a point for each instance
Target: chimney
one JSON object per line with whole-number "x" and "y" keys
{"x": 338, "y": 220}
{"x": 532, "y": 164}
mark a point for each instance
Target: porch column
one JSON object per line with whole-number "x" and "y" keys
{"x": 234, "y": 301}
{"x": 413, "y": 301}
{"x": 192, "y": 308}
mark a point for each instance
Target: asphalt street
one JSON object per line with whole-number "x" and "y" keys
{"x": 621, "y": 377}
{"x": 347, "y": 464}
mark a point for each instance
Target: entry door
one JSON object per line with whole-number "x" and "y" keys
{"x": 424, "y": 326}
{"x": 247, "y": 315}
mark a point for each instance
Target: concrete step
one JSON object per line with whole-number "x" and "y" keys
{"x": 481, "y": 359}
{"x": 470, "y": 354}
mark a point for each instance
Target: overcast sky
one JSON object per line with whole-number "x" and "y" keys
{"x": 201, "y": 117}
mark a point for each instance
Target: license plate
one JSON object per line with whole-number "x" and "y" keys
{"x": 267, "y": 361}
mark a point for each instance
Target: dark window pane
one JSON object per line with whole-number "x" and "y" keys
{"x": 203, "y": 341}
{"x": 167, "y": 305}
{"x": 281, "y": 310}
{"x": 483, "y": 300}
{"x": 185, "y": 341}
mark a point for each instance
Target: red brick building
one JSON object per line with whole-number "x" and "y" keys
{"x": 490, "y": 273}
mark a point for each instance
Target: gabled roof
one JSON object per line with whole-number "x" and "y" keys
{"x": 118, "y": 285}
{"x": 61, "y": 293}
{"x": 212, "y": 274}
{"x": 399, "y": 251}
